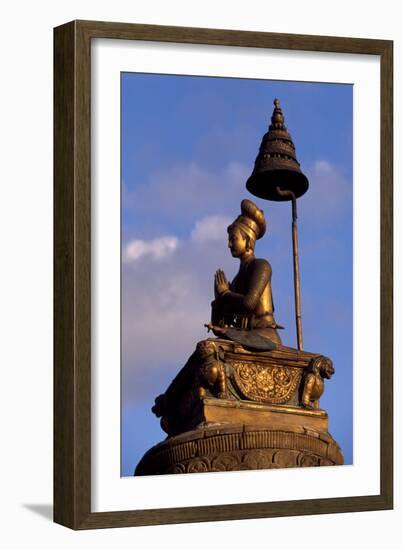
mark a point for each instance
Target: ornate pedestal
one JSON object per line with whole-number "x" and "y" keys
{"x": 234, "y": 409}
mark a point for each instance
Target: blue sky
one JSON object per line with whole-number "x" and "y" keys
{"x": 188, "y": 146}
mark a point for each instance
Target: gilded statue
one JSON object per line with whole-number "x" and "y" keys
{"x": 245, "y": 304}
{"x": 243, "y": 400}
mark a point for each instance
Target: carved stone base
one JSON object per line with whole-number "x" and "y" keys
{"x": 241, "y": 447}
{"x": 232, "y": 408}
{"x": 225, "y": 380}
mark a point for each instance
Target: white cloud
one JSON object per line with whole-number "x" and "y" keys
{"x": 165, "y": 305}
{"x": 210, "y": 228}
{"x": 322, "y": 166}
{"x": 156, "y": 249}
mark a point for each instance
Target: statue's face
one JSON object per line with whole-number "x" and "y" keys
{"x": 237, "y": 243}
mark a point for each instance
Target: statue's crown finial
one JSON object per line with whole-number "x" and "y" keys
{"x": 277, "y": 118}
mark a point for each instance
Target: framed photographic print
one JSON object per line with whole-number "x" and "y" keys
{"x": 223, "y": 275}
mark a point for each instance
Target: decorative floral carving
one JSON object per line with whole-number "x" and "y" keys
{"x": 307, "y": 460}
{"x": 243, "y": 450}
{"x": 257, "y": 460}
{"x": 225, "y": 463}
{"x": 199, "y": 465}
{"x": 285, "y": 459}
{"x": 268, "y": 384}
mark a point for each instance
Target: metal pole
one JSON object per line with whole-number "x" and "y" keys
{"x": 297, "y": 291}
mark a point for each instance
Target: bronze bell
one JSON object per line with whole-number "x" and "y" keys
{"x": 276, "y": 166}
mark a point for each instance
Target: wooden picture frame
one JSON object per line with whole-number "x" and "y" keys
{"x": 72, "y": 274}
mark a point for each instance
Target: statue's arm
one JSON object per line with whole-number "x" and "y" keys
{"x": 259, "y": 275}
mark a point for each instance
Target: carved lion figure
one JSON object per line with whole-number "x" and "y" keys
{"x": 212, "y": 372}
{"x": 320, "y": 368}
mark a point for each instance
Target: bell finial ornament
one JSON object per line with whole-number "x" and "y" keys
{"x": 276, "y": 166}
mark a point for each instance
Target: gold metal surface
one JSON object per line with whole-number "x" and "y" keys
{"x": 248, "y": 413}
{"x": 314, "y": 385}
{"x": 247, "y": 301}
{"x": 268, "y": 384}
{"x": 222, "y": 370}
